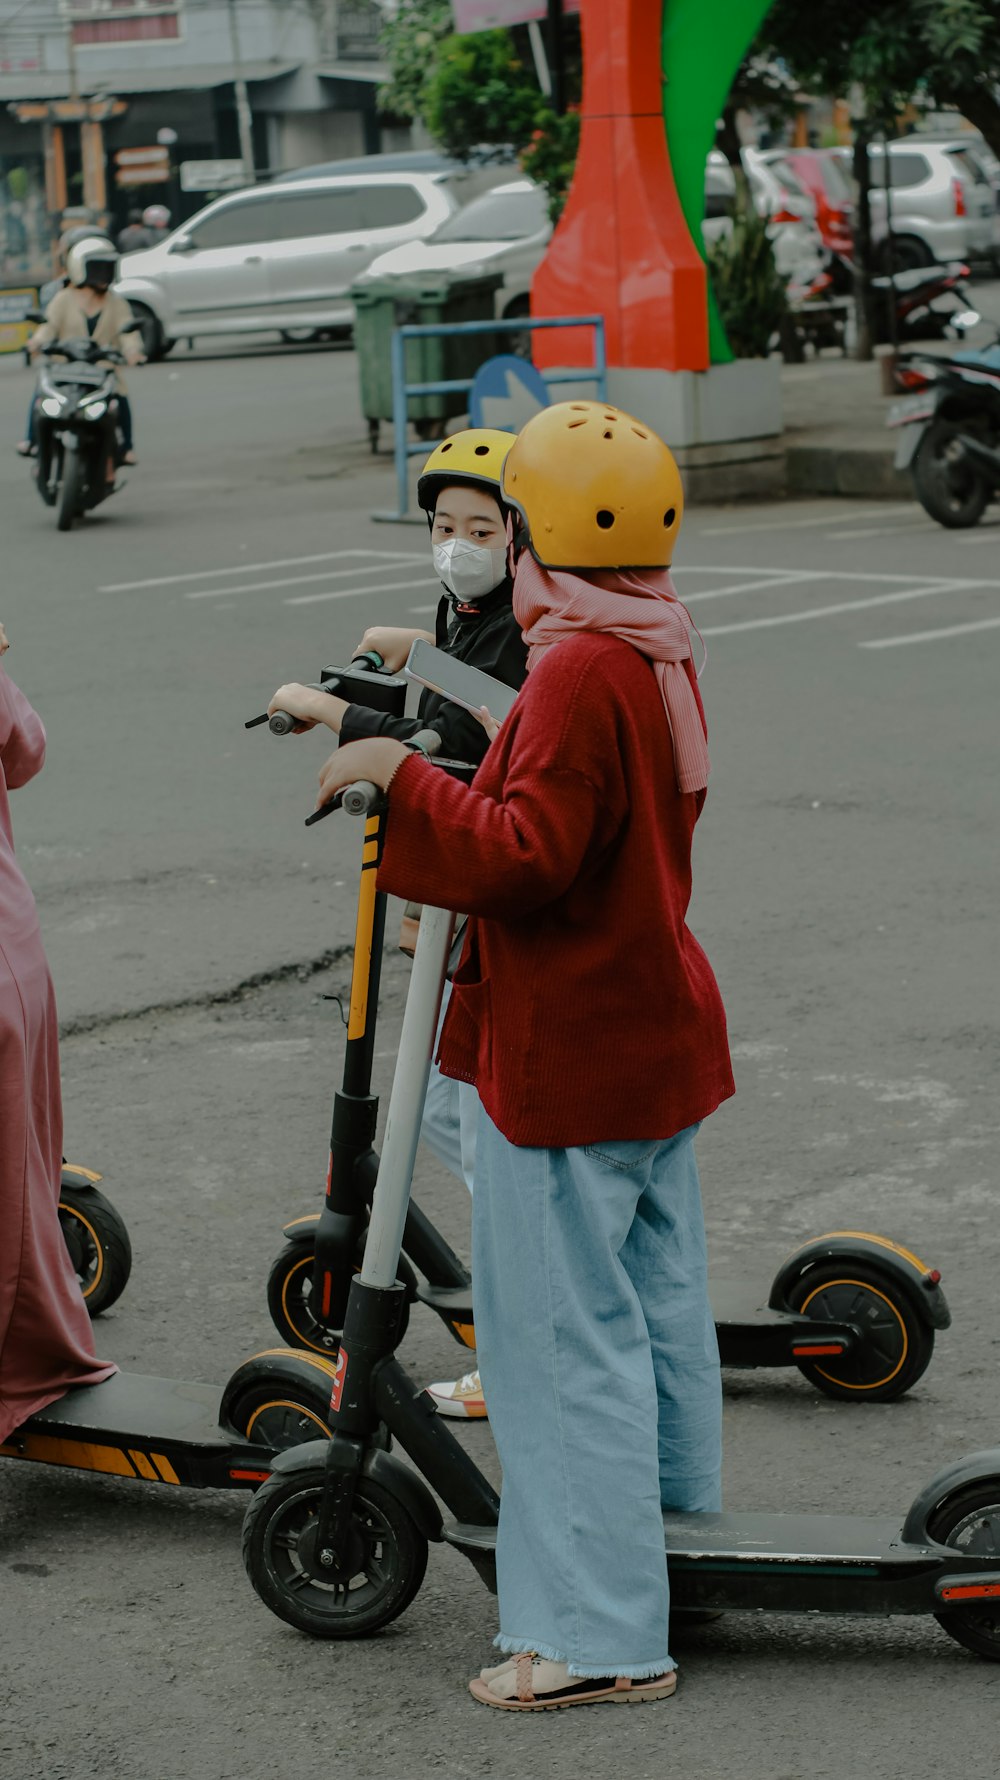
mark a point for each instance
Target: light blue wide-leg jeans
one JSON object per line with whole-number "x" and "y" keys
{"x": 451, "y": 1115}
{"x": 600, "y": 1368}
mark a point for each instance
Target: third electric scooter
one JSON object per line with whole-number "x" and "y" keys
{"x": 336, "y": 1541}
{"x": 856, "y": 1313}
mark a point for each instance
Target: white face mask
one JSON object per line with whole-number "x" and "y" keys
{"x": 469, "y": 571}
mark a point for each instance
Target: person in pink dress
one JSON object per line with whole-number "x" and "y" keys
{"x": 46, "y": 1344}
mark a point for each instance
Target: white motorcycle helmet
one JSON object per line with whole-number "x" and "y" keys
{"x": 93, "y": 261}
{"x": 156, "y": 216}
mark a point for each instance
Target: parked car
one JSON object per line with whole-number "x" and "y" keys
{"x": 279, "y": 257}
{"x": 828, "y": 186}
{"x": 798, "y": 249}
{"x": 942, "y": 207}
{"x": 506, "y": 230}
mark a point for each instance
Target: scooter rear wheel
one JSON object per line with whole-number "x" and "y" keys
{"x": 279, "y": 1399}
{"x": 385, "y": 1567}
{"x": 969, "y": 1521}
{"x": 289, "y": 1284}
{"x": 896, "y": 1345}
{"x": 98, "y": 1245}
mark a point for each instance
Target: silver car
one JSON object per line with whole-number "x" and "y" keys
{"x": 942, "y": 204}
{"x": 279, "y": 257}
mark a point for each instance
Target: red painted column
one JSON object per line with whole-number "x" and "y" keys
{"x": 622, "y": 247}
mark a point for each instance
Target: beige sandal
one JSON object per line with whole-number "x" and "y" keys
{"x": 529, "y": 1683}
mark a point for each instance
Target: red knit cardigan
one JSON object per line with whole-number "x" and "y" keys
{"x": 584, "y": 1010}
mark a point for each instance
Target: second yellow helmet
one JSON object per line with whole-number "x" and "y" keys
{"x": 475, "y": 456}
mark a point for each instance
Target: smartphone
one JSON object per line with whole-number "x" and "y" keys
{"x": 456, "y": 680}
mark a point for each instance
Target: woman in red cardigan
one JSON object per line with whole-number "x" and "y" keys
{"x": 589, "y": 1019}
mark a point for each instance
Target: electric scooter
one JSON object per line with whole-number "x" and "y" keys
{"x": 856, "y": 1313}
{"x": 336, "y": 1541}
{"x": 96, "y": 1237}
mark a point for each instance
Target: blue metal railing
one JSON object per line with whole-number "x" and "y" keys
{"x": 401, "y": 390}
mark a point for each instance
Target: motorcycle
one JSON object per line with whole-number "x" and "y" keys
{"x": 950, "y": 432}
{"x": 76, "y": 426}
{"x": 917, "y": 294}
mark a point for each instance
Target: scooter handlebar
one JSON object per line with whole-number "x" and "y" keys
{"x": 362, "y": 797}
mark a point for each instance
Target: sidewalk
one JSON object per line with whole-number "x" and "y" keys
{"x": 836, "y": 442}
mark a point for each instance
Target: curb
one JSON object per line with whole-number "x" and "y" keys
{"x": 853, "y": 470}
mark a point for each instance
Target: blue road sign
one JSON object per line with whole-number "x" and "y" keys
{"x": 506, "y": 392}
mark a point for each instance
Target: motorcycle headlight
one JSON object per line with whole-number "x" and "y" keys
{"x": 53, "y": 406}
{"x": 96, "y": 410}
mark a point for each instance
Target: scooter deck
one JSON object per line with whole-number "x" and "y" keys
{"x": 163, "y": 1430}
{"x": 750, "y": 1333}
{"x": 791, "y": 1563}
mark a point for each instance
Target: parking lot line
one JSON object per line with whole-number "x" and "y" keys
{"x": 216, "y": 593}
{"x": 788, "y": 525}
{"x": 931, "y": 636}
{"x": 878, "y": 599}
{"x": 719, "y": 593}
{"x": 247, "y": 568}
{"x": 350, "y": 593}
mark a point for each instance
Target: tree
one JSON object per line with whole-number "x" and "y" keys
{"x": 480, "y": 91}
{"x": 962, "y": 39}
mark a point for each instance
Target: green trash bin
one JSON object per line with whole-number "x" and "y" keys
{"x": 382, "y": 304}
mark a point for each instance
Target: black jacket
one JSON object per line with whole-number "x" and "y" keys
{"x": 488, "y": 638}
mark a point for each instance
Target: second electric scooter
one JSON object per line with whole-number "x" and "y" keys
{"x": 336, "y": 1541}
{"x": 856, "y": 1313}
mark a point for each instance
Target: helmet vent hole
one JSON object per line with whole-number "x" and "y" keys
{"x": 669, "y": 516}
{"x": 446, "y": 446}
{"x": 609, "y": 435}
{"x": 605, "y": 519}
{"x": 638, "y": 434}
{"x": 572, "y": 423}
{"x": 482, "y": 451}
{"x": 579, "y": 407}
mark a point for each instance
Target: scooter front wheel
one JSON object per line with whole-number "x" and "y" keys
{"x": 289, "y": 1285}
{"x": 969, "y": 1521}
{"x": 279, "y": 1399}
{"x": 895, "y": 1347}
{"x": 381, "y": 1571}
{"x": 98, "y": 1244}
{"x": 69, "y": 490}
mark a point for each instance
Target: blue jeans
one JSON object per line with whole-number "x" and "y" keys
{"x": 600, "y": 1368}
{"x": 451, "y": 1115}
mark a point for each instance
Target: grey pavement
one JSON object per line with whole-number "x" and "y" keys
{"x": 845, "y": 892}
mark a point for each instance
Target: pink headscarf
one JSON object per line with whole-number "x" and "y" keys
{"x": 643, "y": 610}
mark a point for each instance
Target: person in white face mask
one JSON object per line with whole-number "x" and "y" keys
{"x": 459, "y": 490}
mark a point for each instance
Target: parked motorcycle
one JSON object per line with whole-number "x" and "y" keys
{"x": 76, "y": 426}
{"x": 950, "y": 432}
{"x": 920, "y": 313}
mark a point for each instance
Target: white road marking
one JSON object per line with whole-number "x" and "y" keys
{"x": 931, "y": 636}
{"x": 879, "y": 599}
{"x": 788, "y": 525}
{"x": 420, "y": 610}
{"x": 990, "y": 534}
{"x": 246, "y": 568}
{"x": 218, "y": 593}
{"x": 791, "y": 575}
{"x": 882, "y": 531}
{"x": 350, "y": 593}
{"x": 742, "y": 568}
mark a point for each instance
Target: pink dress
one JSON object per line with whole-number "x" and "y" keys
{"x": 46, "y": 1343}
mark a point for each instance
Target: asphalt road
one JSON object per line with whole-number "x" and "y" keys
{"x": 845, "y": 891}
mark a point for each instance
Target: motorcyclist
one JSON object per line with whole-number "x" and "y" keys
{"x": 88, "y": 308}
{"x": 156, "y": 221}
{"x": 135, "y": 235}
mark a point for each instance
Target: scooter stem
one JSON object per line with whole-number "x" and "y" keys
{"x": 409, "y": 1087}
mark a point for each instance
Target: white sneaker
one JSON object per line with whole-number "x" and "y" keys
{"x": 462, "y": 1399}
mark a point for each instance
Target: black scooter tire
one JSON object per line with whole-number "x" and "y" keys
{"x": 279, "y": 1399}
{"x": 288, "y": 1286}
{"x": 970, "y": 1521}
{"x": 69, "y": 490}
{"x": 956, "y": 501}
{"x": 898, "y": 1344}
{"x": 98, "y": 1244}
{"x": 389, "y": 1558}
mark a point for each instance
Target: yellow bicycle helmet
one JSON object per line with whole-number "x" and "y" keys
{"x": 596, "y": 489}
{"x": 475, "y": 457}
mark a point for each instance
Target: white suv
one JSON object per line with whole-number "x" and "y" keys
{"x": 279, "y": 257}
{"x": 942, "y": 203}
